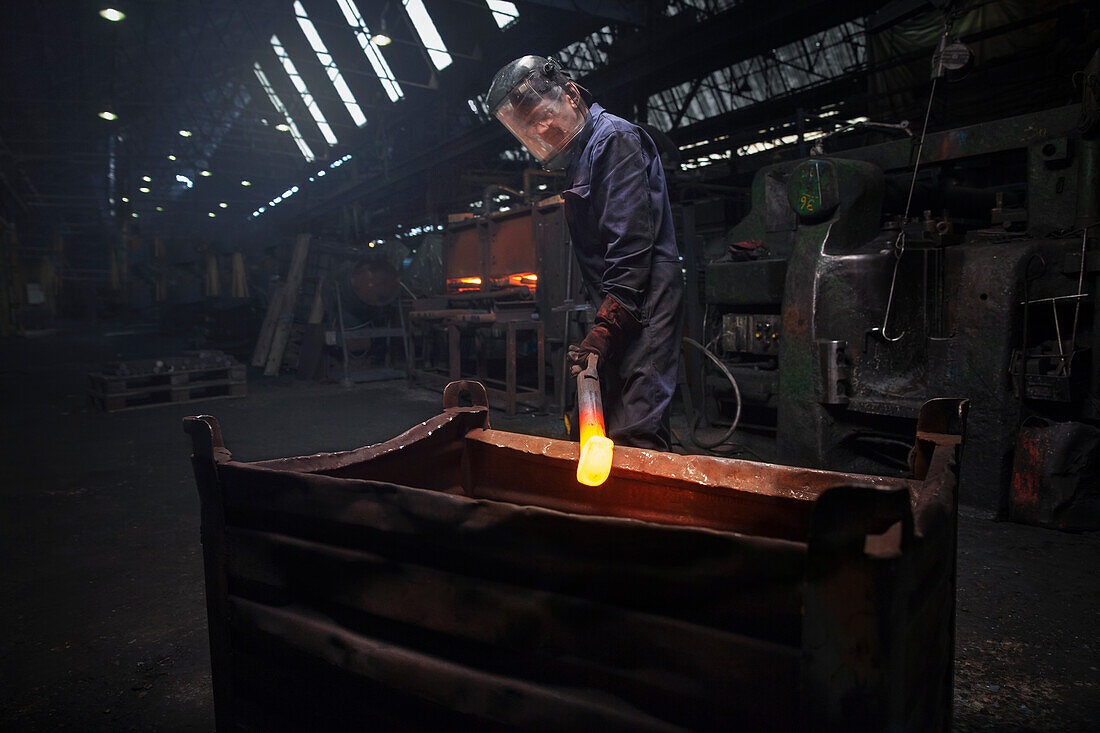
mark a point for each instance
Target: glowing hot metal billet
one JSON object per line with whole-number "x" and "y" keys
{"x": 594, "y": 464}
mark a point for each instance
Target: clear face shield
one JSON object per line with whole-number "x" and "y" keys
{"x": 545, "y": 121}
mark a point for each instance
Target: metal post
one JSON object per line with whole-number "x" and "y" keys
{"x": 346, "y": 381}
{"x": 510, "y": 369}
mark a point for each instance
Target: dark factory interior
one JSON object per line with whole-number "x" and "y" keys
{"x": 625, "y": 364}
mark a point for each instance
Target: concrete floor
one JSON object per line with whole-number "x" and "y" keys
{"x": 103, "y": 587}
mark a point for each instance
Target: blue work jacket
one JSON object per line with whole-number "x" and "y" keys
{"x": 620, "y": 221}
{"x": 619, "y": 214}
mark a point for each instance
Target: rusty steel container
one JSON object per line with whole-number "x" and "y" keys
{"x": 460, "y": 576}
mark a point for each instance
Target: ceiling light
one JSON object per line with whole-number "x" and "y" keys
{"x": 108, "y": 115}
{"x": 112, "y": 15}
{"x": 147, "y": 179}
{"x": 382, "y": 37}
{"x": 125, "y": 200}
{"x": 282, "y": 127}
{"x": 246, "y": 183}
{"x": 160, "y": 208}
{"x": 224, "y": 205}
{"x": 134, "y": 215}
{"x": 185, "y": 133}
{"x": 144, "y": 189}
{"x": 171, "y": 157}
{"x": 211, "y": 214}
{"x": 204, "y": 173}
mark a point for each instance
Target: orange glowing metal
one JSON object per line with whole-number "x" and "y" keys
{"x": 594, "y": 465}
{"x": 463, "y": 284}
{"x": 526, "y": 279}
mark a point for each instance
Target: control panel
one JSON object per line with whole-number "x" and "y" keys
{"x": 751, "y": 333}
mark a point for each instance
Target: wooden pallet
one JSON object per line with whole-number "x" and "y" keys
{"x": 112, "y": 392}
{"x": 117, "y": 384}
{"x": 155, "y": 397}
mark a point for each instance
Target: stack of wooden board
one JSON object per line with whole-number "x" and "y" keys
{"x": 202, "y": 375}
{"x": 277, "y": 331}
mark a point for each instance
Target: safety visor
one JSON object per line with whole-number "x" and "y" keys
{"x": 545, "y": 120}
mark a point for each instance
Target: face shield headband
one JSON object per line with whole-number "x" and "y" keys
{"x": 543, "y": 116}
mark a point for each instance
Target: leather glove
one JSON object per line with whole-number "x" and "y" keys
{"x": 613, "y": 327}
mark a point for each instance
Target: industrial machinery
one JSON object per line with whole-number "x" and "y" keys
{"x": 506, "y": 275}
{"x": 963, "y": 263}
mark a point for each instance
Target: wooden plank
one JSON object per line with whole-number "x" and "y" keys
{"x": 267, "y": 330}
{"x": 293, "y": 349}
{"x": 313, "y": 335}
{"x": 290, "y": 302}
{"x": 317, "y": 308}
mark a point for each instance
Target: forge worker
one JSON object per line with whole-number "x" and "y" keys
{"x": 620, "y": 221}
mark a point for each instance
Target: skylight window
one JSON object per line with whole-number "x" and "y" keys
{"x": 373, "y": 53}
{"x": 429, "y": 36}
{"x": 331, "y": 69}
{"x": 504, "y": 13}
{"x": 307, "y": 153}
{"x": 300, "y": 85}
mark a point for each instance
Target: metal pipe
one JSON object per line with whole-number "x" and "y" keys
{"x": 1094, "y": 376}
{"x": 1080, "y": 291}
{"x": 565, "y": 328}
{"x": 346, "y": 381}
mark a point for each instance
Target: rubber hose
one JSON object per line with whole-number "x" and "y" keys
{"x": 736, "y": 392}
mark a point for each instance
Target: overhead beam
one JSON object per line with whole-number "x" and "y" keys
{"x": 616, "y": 11}
{"x": 741, "y": 32}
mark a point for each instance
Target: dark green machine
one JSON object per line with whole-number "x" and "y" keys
{"x": 839, "y": 317}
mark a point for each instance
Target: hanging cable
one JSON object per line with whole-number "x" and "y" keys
{"x": 899, "y": 243}
{"x": 694, "y": 423}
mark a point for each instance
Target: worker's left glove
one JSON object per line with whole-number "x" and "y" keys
{"x": 613, "y": 327}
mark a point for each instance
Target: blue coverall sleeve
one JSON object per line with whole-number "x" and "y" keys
{"x": 621, "y": 197}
